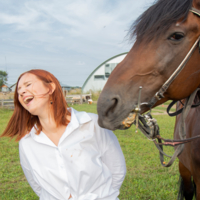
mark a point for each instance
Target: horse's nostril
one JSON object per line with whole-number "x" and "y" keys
{"x": 112, "y": 107}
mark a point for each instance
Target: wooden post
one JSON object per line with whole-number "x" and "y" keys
{"x": 90, "y": 94}
{"x": 2, "y": 103}
{"x": 81, "y": 98}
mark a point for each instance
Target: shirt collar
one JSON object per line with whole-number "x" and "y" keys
{"x": 81, "y": 117}
{"x": 28, "y": 134}
{"x": 77, "y": 119}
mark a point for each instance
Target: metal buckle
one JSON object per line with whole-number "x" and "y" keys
{"x": 159, "y": 96}
{"x": 151, "y": 123}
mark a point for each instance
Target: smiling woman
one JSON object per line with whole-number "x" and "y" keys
{"x": 64, "y": 153}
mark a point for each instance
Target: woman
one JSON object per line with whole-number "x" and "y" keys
{"x": 64, "y": 153}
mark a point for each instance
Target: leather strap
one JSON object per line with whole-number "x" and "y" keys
{"x": 178, "y": 111}
{"x": 160, "y": 94}
{"x": 182, "y": 134}
{"x": 195, "y": 11}
{"x": 151, "y": 130}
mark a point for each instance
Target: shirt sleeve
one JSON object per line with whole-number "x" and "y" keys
{"x": 112, "y": 157}
{"x": 27, "y": 171}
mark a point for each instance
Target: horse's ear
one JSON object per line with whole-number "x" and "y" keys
{"x": 196, "y": 4}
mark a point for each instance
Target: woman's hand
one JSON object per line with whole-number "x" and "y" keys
{"x": 70, "y": 196}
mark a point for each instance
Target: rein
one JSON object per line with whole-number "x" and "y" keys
{"x": 148, "y": 125}
{"x": 178, "y": 111}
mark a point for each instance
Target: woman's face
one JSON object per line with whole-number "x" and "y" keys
{"x": 33, "y": 94}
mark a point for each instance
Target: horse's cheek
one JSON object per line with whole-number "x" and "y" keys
{"x": 195, "y": 153}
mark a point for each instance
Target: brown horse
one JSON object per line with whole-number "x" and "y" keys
{"x": 163, "y": 35}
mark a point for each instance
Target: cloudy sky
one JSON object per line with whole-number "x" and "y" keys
{"x": 69, "y": 38}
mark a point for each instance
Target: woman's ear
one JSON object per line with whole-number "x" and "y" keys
{"x": 196, "y": 4}
{"x": 53, "y": 87}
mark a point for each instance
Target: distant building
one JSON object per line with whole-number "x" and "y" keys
{"x": 8, "y": 88}
{"x": 98, "y": 78}
{"x": 13, "y": 87}
{"x": 5, "y": 88}
{"x": 65, "y": 87}
{"x": 77, "y": 87}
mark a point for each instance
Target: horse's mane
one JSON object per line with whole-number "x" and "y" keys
{"x": 157, "y": 19}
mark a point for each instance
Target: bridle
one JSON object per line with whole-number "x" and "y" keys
{"x": 148, "y": 125}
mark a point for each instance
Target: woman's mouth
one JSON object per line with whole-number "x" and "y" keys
{"x": 27, "y": 100}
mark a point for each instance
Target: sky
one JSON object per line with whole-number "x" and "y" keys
{"x": 69, "y": 38}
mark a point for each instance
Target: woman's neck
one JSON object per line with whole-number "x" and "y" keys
{"x": 48, "y": 124}
{"x": 50, "y": 128}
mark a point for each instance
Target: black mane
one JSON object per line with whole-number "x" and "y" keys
{"x": 157, "y": 19}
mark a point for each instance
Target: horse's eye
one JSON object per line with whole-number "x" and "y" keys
{"x": 176, "y": 36}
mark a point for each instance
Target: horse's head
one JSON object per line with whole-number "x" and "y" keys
{"x": 164, "y": 34}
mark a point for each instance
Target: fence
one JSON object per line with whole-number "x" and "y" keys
{"x": 70, "y": 99}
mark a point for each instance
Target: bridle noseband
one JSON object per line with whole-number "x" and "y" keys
{"x": 148, "y": 125}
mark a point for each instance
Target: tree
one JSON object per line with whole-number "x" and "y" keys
{"x": 3, "y": 78}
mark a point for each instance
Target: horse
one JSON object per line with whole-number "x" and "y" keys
{"x": 163, "y": 35}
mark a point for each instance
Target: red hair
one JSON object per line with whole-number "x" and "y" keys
{"x": 22, "y": 121}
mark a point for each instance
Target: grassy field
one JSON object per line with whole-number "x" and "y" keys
{"x": 146, "y": 178}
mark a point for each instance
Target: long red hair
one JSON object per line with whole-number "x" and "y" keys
{"x": 22, "y": 121}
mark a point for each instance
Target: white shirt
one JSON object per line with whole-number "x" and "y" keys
{"x": 88, "y": 162}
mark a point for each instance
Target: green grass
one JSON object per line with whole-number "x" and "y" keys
{"x": 146, "y": 179}
{"x": 167, "y": 102}
{"x": 164, "y": 109}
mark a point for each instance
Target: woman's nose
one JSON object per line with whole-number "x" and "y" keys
{"x": 22, "y": 91}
